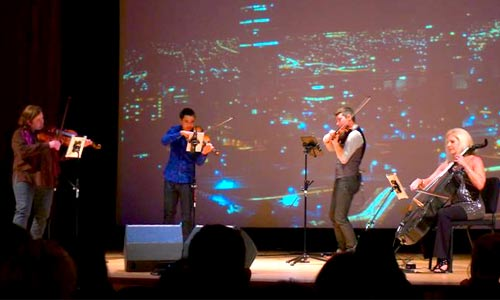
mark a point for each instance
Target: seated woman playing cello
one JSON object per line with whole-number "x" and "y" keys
{"x": 467, "y": 180}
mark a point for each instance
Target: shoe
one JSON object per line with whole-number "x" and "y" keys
{"x": 353, "y": 249}
{"x": 332, "y": 253}
{"x": 441, "y": 266}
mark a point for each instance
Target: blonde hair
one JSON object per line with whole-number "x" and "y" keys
{"x": 464, "y": 140}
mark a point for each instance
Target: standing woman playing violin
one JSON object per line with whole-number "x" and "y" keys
{"x": 35, "y": 172}
{"x": 179, "y": 172}
{"x": 348, "y": 143}
{"x": 468, "y": 179}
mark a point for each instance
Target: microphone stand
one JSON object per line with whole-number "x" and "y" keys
{"x": 194, "y": 142}
{"x": 371, "y": 223}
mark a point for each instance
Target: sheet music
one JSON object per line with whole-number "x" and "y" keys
{"x": 397, "y": 186}
{"x": 198, "y": 142}
{"x": 75, "y": 147}
{"x": 311, "y": 144}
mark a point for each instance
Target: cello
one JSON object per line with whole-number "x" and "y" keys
{"x": 418, "y": 221}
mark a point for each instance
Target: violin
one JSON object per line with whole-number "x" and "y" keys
{"x": 342, "y": 133}
{"x": 206, "y": 138}
{"x": 64, "y": 136}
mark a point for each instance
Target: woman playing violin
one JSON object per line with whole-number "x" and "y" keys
{"x": 467, "y": 180}
{"x": 35, "y": 171}
{"x": 179, "y": 171}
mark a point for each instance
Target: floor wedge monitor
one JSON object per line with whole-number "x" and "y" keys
{"x": 148, "y": 246}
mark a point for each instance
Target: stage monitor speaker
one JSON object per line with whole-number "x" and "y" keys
{"x": 148, "y": 246}
{"x": 250, "y": 248}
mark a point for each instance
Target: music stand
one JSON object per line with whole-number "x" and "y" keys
{"x": 311, "y": 147}
{"x": 396, "y": 187}
{"x": 75, "y": 150}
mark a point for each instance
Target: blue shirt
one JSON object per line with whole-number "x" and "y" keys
{"x": 180, "y": 167}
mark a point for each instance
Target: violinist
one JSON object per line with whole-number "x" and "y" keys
{"x": 467, "y": 180}
{"x": 348, "y": 143}
{"x": 35, "y": 172}
{"x": 179, "y": 172}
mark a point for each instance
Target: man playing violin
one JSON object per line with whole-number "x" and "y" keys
{"x": 348, "y": 143}
{"x": 35, "y": 172}
{"x": 468, "y": 178}
{"x": 179, "y": 173}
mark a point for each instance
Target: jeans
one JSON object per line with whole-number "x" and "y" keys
{"x": 173, "y": 193}
{"x": 343, "y": 192}
{"x": 32, "y": 200}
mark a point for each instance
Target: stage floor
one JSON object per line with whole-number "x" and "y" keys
{"x": 274, "y": 266}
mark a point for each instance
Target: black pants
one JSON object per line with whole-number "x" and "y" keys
{"x": 443, "y": 231}
{"x": 173, "y": 194}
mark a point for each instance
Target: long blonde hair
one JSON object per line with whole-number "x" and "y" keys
{"x": 464, "y": 139}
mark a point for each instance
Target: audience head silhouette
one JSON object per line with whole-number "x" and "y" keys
{"x": 485, "y": 260}
{"x": 34, "y": 269}
{"x": 216, "y": 260}
{"x": 373, "y": 267}
{"x": 340, "y": 271}
{"x": 375, "y": 252}
{"x": 484, "y": 269}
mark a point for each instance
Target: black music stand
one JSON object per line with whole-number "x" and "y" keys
{"x": 75, "y": 150}
{"x": 311, "y": 147}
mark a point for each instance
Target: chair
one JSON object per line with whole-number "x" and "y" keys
{"x": 489, "y": 194}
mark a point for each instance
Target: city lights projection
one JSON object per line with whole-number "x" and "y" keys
{"x": 261, "y": 75}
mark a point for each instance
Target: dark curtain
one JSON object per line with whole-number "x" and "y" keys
{"x": 31, "y": 60}
{"x": 63, "y": 56}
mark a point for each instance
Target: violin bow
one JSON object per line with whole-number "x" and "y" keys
{"x": 64, "y": 118}
{"x": 220, "y": 124}
{"x": 360, "y": 107}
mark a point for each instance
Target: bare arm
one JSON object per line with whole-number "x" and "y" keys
{"x": 474, "y": 167}
{"x": 420, "y": 183}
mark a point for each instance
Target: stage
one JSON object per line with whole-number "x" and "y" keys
{"x": 273, "y": 266}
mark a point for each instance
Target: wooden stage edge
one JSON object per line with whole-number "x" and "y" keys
{"x": 274, "y": 267}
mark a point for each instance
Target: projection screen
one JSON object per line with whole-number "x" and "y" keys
{"x": 261, "y": 75}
